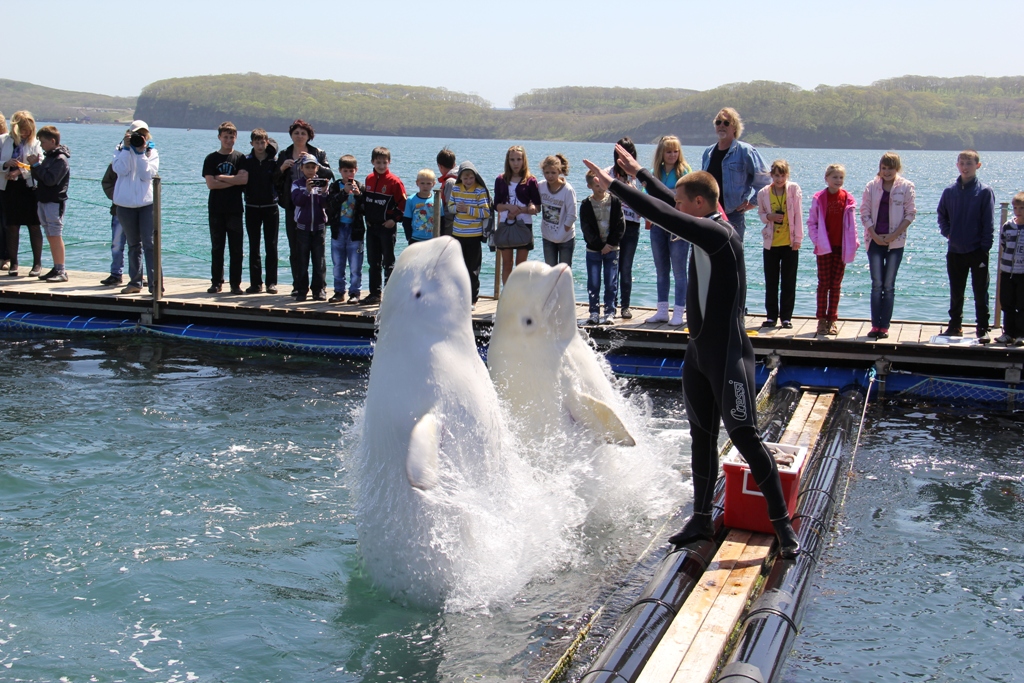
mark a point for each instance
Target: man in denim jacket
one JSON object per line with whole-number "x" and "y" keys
{"x": 738, "y": 168}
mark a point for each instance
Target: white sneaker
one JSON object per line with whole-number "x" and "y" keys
{"x": 607, "y": 319}
{"x": 1004, "y": 339}
{"x": 662, "y": 315}
{"x": 1019, "y": 341}
{"x": 677, "y": 317}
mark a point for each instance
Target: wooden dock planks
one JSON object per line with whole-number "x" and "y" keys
{"x": 696, "y": 640}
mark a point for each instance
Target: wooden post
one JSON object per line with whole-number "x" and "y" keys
{"x": 437, "y": 212}
{"x": 497, "y": 273}
{"x": 1004, "y": 213}
{"x": 158, "y": 275}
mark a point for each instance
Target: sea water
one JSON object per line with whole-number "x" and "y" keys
{"x": 172, "y": 512}
{"x": 922, "y": 291}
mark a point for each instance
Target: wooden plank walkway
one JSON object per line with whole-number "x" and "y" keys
{"x": 693, "y": 646}
{"x": 185, "y": 300}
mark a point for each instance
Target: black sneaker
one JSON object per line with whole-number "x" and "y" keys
{"x": 214, "y": 289}
{"x": 112, "y": 280}
{"x": 625, "y": 313}
{"x": 300, "y": 297}
{"x": 371, "y": 300}
{"x": 320, "y": 296}
{"x": 338, "y": 298}
{"x": 271, "y": 289}
{"x": 58, "y": 276}
{"x": 47, "y": 275}
{"x": 951, "y": 331}
{"x": 236, "y": 290}
{"x": 787, "y": 325}
{"x": 983, "y": 335}
{"x": 254, "y": 289}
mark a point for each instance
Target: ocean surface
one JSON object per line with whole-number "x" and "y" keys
{"x": 176, "y": 512}
{"x": 922, "y": 291}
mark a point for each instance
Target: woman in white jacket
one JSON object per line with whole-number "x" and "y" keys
{"x": 886, "y": 211}
{"x": 20, "y": 190}
{"x": 135, "y": 163}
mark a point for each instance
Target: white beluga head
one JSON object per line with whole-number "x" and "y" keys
{"x": 542, "y": 369}
{"x": 433, "y": 479}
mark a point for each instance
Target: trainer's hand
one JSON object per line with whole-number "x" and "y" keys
{"x": 627, "y": 162}
{"x": 603, "y": 179}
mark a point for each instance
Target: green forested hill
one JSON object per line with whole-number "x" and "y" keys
{"x": 49, "y": 104}
{"x": 909, "y": 112}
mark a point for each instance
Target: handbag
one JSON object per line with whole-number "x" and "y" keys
{"x": 513, "y": 234}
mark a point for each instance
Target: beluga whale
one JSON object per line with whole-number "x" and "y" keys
{"x": 443, "y": 506}
{"x": 548, "y": 376}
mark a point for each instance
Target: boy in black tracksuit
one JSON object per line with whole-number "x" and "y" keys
{"x": 261, "y": 209}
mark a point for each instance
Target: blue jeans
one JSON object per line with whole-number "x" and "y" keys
{"x": 669, "y": 253}
{"x": 884, "y": 264}
{"x": 559, "y": 252}
{"x": 609, "y": 265}
{"x": 627, "y": 250}
{"x": 738, "y": 220}
{"x": 346, "y": 252}
{"x": 117, "y": 242}
{"x": 138, "y": 230}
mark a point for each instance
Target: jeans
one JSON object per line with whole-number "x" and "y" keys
{"x": 957, "y": 268}
{"x": 346, "y": 252}
{"x": 267, "y": 218}
{"x": 226, "y": 227}
{"x": 608, "y": 264}
{"x": 380, "y": 253}
{"x": 738, "y": 220}
{"x": 117, "y": 242}
{"x": 137, "y": 224}
{"x": 559, "y": 252}
{"x": 884, "y": 264}
{"x": 627, "y": 250}
{"x": 669, "y": 253}
{"x": 309, "y": 246}
{"x": 780, "y": 263}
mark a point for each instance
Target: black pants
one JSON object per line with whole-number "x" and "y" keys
{"x": 380, "y": 254}
{"x": 780, "y": 261}
{"x": 627, "y": 250}
{"x": 226, "y": 227}
{"x": 472, "y": 254}
{"x": 1011, "y": 298}
{"x": 269, "y": 219}
{"x": 957, "y": 267}
{"x": 309, "y": 246}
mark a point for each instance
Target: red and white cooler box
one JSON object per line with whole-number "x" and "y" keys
{"x": 745, "y": 506}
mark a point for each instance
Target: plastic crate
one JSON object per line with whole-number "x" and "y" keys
{"x": 745, "y": 506}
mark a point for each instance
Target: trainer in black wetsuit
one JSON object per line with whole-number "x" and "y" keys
{"x": 718, "y": 375}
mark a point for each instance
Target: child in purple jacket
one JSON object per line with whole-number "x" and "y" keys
{"x": 309, "y": 198}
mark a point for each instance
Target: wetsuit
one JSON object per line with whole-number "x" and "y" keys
{"x": 718, "y": 375}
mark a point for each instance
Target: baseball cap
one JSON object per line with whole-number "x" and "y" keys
{"x": 138, "y": 124}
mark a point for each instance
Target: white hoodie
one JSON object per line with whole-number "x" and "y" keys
{"x": 134, "y": 187}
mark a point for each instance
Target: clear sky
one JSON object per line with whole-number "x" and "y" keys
{"x": 498, "y": 48}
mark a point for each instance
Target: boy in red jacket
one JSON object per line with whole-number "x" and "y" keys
{"x": 384, "y": 206}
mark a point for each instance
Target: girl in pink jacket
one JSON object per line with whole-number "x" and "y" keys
{"x": 780, "y": 206}
{"x": 832, "y": 228}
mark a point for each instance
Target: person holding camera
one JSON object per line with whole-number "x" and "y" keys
{"x": 225, "y": 174}
{"x": 135, "y": 164}
{"x": 309, "y": 197}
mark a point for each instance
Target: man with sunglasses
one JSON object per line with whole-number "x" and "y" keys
{"x": 738, "y": 168}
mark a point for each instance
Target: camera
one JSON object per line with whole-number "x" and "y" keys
{"x": 319, "y": 182}
{"x": 137, "y": 140}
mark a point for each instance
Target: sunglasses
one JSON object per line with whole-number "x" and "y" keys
{"x": 722, "y": 122}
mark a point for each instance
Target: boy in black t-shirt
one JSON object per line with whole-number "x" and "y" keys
{"x": 225, "y": 174}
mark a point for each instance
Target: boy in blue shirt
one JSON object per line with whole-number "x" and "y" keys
{"x": 418, "y": 221}
{"x": 345, "y": 216}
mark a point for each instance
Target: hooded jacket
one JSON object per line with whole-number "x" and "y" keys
{"x": 135, "y": 171}
{"x": 261, "y": 190}
{"x": 474, "y": 220}
{"x": 794, "y": 212}
{"x": 286, "y": 178}
{"x": 818, "y": 234}
{"x": 53, "y": 175}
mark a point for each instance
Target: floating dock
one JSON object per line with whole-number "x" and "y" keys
{"x": 912, "y": 345}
